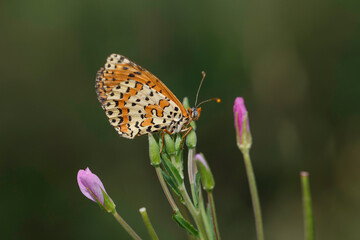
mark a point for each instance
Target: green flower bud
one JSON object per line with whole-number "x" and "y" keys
{"x": 206, "y": 176}
{"x": 186, "y": 103}
{"x": 154, "y": 151}
{"x": 178, "y": 139}
{"x": 169, "y": 144}
{"x": 191, "y": 139}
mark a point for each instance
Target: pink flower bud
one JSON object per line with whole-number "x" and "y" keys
{"x": 241, "y": 120}
{"x": 91, "y": 186}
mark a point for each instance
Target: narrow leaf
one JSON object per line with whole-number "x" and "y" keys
{"x": 171, "y": 169}
{"x": 171, "y": 183}
{"x": 185, "y": 224}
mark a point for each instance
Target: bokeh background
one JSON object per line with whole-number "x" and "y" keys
{"x": 296, "y": 63}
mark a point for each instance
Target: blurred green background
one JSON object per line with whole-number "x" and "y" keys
{"x": 296, "y": 63}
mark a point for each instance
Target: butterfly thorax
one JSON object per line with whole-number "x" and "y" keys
{"x": 178, "y": 125}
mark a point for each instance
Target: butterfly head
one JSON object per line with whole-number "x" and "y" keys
{"x": 194, "y": 113}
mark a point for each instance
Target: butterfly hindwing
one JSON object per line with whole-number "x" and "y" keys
{"x": 135, "y": 101}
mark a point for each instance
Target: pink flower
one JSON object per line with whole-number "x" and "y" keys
{"x": 92, "y": 187}
{"x": 241, "y": 120}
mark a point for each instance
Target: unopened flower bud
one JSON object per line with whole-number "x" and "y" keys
{"x": 242, "y": 127}
{"x": 178, "y": 139}
{"x": 191, "y": 139}
{"x": 92, "y": 187}
{"x": 154, "y": 151}
{"x": 186, "y": 103}
{"x": 169, "y": 144}
{"x": 206, "y": 176}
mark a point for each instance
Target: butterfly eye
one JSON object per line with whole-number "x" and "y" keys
{"x": 194, "y": 113}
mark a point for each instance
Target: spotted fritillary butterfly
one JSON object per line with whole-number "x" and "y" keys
{"x": 138, "y": 103}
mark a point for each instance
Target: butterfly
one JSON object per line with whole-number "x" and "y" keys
{"x": 138, "y": 103}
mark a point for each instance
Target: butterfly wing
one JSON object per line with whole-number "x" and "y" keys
{"x": 135, "y": 101}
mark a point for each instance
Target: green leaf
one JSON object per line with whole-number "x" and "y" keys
{"x": 173, "y": 186}
{"x": 171, "y": 169}
{"x": 185, "y": 224}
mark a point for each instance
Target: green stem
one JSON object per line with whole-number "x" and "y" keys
{"x": 166, "y": 189}
{"x": 205, "y": 217}
{"x": 195, "y": 213}
{"x": 308, "y": 215}
{"x": 254, "y": 194}
{"x": 148, "y": 224}
{"x": 192, "y": 174}
{"x": 213, "y": 214}
{"x": 191, "y": 166}
{"x": 126, "y": 226}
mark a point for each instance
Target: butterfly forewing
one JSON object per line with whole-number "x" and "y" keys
{"x": 135, "y": 101}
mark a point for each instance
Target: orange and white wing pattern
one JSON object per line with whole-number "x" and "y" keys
{"x": 135, "y": 101}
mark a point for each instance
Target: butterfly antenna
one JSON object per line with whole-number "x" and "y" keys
{"x": 218, "y": 100}
{"x": 198, "y": 91}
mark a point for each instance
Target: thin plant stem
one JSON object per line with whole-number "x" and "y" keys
{"x": 195, "y": 213}
{"x": 254, "y": 194}
{"x": 307, "y": 207}
{"x": 213, "y": 214}
{"x": 148, "y": 224}
{"x": 126, "y": 226}
{"x": 191, "y": 166}
{"x": 166, "y": 189}
{"x": 192, "y": 172}
{"x": 208, "y": 227}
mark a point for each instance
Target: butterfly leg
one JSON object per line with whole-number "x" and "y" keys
{"x": 163, "y": 138}
{"x": 187, "y": 131}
